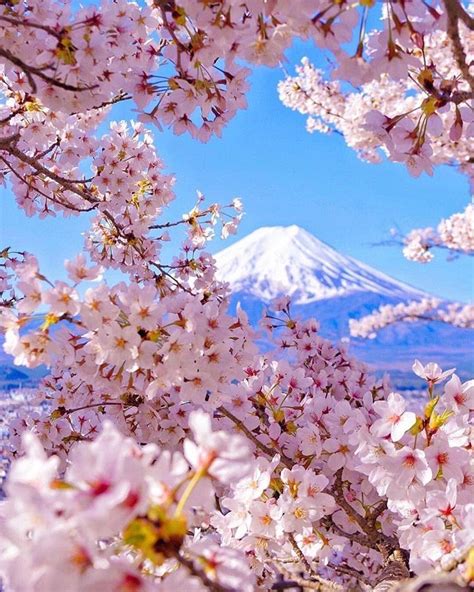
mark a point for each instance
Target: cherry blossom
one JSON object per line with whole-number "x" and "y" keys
{"x": 52, "y": 522}
{"x": 401, "y": 106}
{"x": 394, "y": 419}
{"x": 432, "y": 373}
{"x": 287, "y": 476}
{"x": 455, "y": 233}
{"x": 164, "y": 450}
{"x": 425, "y": 309}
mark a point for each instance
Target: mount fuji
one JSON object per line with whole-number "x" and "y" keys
{"x": 278, "y": 260}
{"x": 323, "y": 283}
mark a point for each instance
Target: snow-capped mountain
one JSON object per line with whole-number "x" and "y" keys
{"x": 334, "y": 288}
{"x": 289, "y": 260}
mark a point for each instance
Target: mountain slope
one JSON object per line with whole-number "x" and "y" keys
{"x": 289, "y": 260}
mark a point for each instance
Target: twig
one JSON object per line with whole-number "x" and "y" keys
{"x": 300, "y": 555}
{"x": 297, "y": 581}
{"x": 454, "y": 13}
{"x": 201, "y": 574}
{"x": 351, "y": 572}
{"x": 6, "y": 142}
{"x": 321, "y": 581}
{"x": 30, "y": 70}
{"x": 251, "y": 436}
{"x": 70, "y": 186}
{"x": 356, "y": 537}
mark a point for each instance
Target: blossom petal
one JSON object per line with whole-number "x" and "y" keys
{"x": 406, "y": 421}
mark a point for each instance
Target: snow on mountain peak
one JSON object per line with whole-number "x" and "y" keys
{"x": 288, "y": 260}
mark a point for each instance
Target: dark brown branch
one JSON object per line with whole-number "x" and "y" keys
{"x": 351, "y": 572}
{"x": 26, "y": 23}
{"x": 31, "y": 70}
{"x": 69, "y": 185}
{"x": 376, "y": 539}
{"x": 8, "y": 141}
{"x": 300, "y": 555}
{"x": 37, "y": 190}
{"x": 455, "y": 13}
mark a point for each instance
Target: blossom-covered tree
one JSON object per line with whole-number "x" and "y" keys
{"x": 167, "y": 452}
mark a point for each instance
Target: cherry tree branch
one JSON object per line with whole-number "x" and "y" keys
{"x": 285, "y": 460}
{"x": 201, "y": 575}
{"x": 301, "y": 584}
{"x": 455, "y": 13}
{"x": 31, "y": 71}
{"x": 69, "y": 185}
{"x": 376, "y": 539}
{"x": 394, "y": 572}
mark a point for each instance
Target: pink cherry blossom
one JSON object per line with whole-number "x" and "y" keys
{"x": 223, "y": 456}
{"x": 164, "y": 450}
{"x": 432, "y": 373}
{"x": 394, "y": 420}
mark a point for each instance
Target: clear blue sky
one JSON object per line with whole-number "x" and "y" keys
{"x": 285, "y": 176}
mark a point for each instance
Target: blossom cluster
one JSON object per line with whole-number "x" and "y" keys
{"x": 425, "y": 309}
{"x": 181, "y": 64}
{"x": 126, "y": 187}
{"x": 455, "y": 233}
{"x": 406, "y": 115}
{"x": 63, "y": 71}
{"x": 135, "y": 352}
{"x": 121, "y": 516}
{"x": 339, "y": 474}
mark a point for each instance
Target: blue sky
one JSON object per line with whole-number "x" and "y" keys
{"x": 285, "y": 176}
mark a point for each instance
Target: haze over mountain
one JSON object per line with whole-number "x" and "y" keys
{"x": 333, "y": 288}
